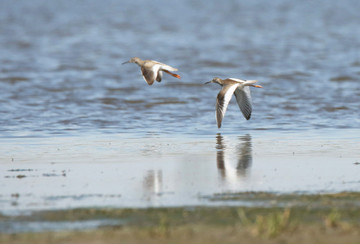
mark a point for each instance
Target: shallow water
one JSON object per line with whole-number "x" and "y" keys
{"x": 51, "y": 226}
{"x": 78, "y": 128}
{"x": 167, "y": 170}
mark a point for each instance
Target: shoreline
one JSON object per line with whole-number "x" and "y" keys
{"x": 330, "y": 218}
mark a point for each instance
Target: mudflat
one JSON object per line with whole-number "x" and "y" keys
{"x": 319, "y": 218}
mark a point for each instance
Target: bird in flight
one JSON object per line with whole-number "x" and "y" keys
{"x": 241, "y": 89}
{"x": 152, "y": 70}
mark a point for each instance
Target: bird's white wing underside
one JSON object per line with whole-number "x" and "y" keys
{"x": 165, "y": 66}
{"x": 157, "y": 71}
{"x": 223, "y": 100}
{"x": 243, "y": 98}
{"x": 156, "y": 68}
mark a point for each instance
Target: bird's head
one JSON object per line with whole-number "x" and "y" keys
{"x": 215, "y": 80}
{"x": 133, "y": 60}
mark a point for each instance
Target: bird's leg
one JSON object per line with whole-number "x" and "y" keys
{"x": 175, "y": 75}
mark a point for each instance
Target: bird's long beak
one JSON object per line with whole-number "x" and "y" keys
{"x": 126, "y": 62}
{"x": 258, "y": 86}
{"x": 207, "y": 82}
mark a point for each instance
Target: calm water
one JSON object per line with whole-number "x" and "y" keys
{"x": 167, "y": 170}
{"x": 67, "y": 102}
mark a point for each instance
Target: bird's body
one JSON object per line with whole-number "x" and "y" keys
{"x": 241, "y": 90}
{"x": 152, "y": 70}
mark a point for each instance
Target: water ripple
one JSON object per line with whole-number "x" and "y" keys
{"x": 60, "y": 68}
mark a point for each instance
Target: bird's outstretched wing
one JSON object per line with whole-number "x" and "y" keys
{"x": 158, "y": 69}
{"x": 243, "y": 98}
{"x": 164, "y": 66}
{"x": 222, "y": 101}
{"x": 167, "y": 68}
{"x": 159, "y": 76}
{"x": 150, "y": 73}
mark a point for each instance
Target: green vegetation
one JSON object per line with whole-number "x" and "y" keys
{"x": 328, "y": 218}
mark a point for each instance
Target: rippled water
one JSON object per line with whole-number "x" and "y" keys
{"x": 75, "y": 123}
{"x": 61, "y": 72}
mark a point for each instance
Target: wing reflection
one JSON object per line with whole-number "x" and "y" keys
{"x": 245, "y": 155}
{"x": 152, "y": 184}
{"x": 233, "y": 162}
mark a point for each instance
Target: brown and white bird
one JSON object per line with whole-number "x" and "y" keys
{"x": 152, "y": 70}
{"x": 241, "y": 90}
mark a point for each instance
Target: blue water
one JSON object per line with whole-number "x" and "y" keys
{"x": 78, "y": 129}
{"x": 61, "y": 72}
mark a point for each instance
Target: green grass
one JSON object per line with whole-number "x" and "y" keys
{"x": 328, "y": 218}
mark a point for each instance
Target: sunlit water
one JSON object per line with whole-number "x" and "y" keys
{"x": 79, "y": 129}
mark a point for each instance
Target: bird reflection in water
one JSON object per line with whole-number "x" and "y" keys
{"x": 230, "y": 167}
{"x": 152, "y": 184}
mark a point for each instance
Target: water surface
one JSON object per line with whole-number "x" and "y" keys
{"x": 61, "y": 72}
{"x": 79, "y": 129}
{"x": 155, "y": 171}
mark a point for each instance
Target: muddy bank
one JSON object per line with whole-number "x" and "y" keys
{"x": 326, "y": 218}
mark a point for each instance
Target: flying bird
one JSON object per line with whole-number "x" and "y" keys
{"x": 241, "y": 89}
{"x": 152, "y": 70}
